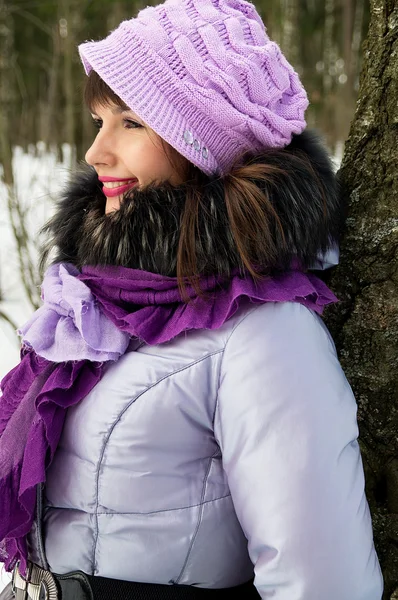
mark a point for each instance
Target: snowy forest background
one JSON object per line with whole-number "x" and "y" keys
{"x": 44, "y": 129}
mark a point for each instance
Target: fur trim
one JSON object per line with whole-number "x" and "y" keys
{"x": 144, "y": 232}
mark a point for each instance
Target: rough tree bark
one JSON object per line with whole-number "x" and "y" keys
{"x": 365, "y": 323}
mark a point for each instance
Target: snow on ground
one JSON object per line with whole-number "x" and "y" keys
{"x": 4, "y": 578}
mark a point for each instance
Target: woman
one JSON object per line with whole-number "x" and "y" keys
{"x": 178, "y": 394}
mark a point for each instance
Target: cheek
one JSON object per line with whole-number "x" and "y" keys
{"x": 147, "y": 161}
{"x": 157, "y": 163}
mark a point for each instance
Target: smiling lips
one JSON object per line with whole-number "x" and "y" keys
{"x": 114, "y": 187}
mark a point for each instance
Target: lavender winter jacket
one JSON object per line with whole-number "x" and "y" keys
{"x": 221, "y": 454}
{"x": 222, "y": 451}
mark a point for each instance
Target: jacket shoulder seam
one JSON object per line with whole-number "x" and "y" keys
{"x": 244, "y": 317}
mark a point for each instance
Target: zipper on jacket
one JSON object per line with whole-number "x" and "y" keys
{"x": 39, "y": 528}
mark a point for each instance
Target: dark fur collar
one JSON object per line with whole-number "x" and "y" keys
{"x": 144, "y": 233}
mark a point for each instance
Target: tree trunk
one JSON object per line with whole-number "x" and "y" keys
{"x": 47, "y": 129}
{"x": 365, "y": 323}
{"x": 347, "y": 94}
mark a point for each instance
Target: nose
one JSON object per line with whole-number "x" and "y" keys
{"x": 100, "y": 152}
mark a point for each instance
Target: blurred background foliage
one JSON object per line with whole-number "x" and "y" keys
{"x": 41, "y": 78}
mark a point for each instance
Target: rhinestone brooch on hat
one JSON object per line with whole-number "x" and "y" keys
{"x": 192, "y": 141}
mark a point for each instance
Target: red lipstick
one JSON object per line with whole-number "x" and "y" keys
{"x": 117, "y": 191}
{"x": 111, "y": 192}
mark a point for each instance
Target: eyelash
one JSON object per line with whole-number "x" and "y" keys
{"x": 129, "y": 122}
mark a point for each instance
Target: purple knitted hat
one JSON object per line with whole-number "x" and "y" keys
{"x": 205, "y": 76}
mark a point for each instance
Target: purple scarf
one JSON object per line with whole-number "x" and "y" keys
{"x": 86, "y": 320}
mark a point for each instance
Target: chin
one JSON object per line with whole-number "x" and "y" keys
{"x": 112, "y": 204}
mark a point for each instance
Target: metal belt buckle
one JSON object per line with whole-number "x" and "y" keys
{"x": 38, "y": 585}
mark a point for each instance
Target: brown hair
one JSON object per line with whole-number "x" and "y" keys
{"x": 251, "y": 215}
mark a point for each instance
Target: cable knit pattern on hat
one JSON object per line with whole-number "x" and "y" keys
{"x": 205, "y": 76}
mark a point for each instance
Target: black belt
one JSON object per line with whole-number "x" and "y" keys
{"x": 44, "y": 585}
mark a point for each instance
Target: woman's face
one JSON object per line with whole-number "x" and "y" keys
{"x": 125, "y": 153}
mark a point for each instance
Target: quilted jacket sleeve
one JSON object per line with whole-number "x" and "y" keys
{"x": 286, "y": 425}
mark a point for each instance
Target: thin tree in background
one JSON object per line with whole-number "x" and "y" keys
{"x": 6, "y": 48}
{"x": 7, "y": 94}
{"x": 289, "y": 38}
{"x": 49, "y": 102}
{"x": 68, "y": 48}
{"x": 365, "y": 323}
